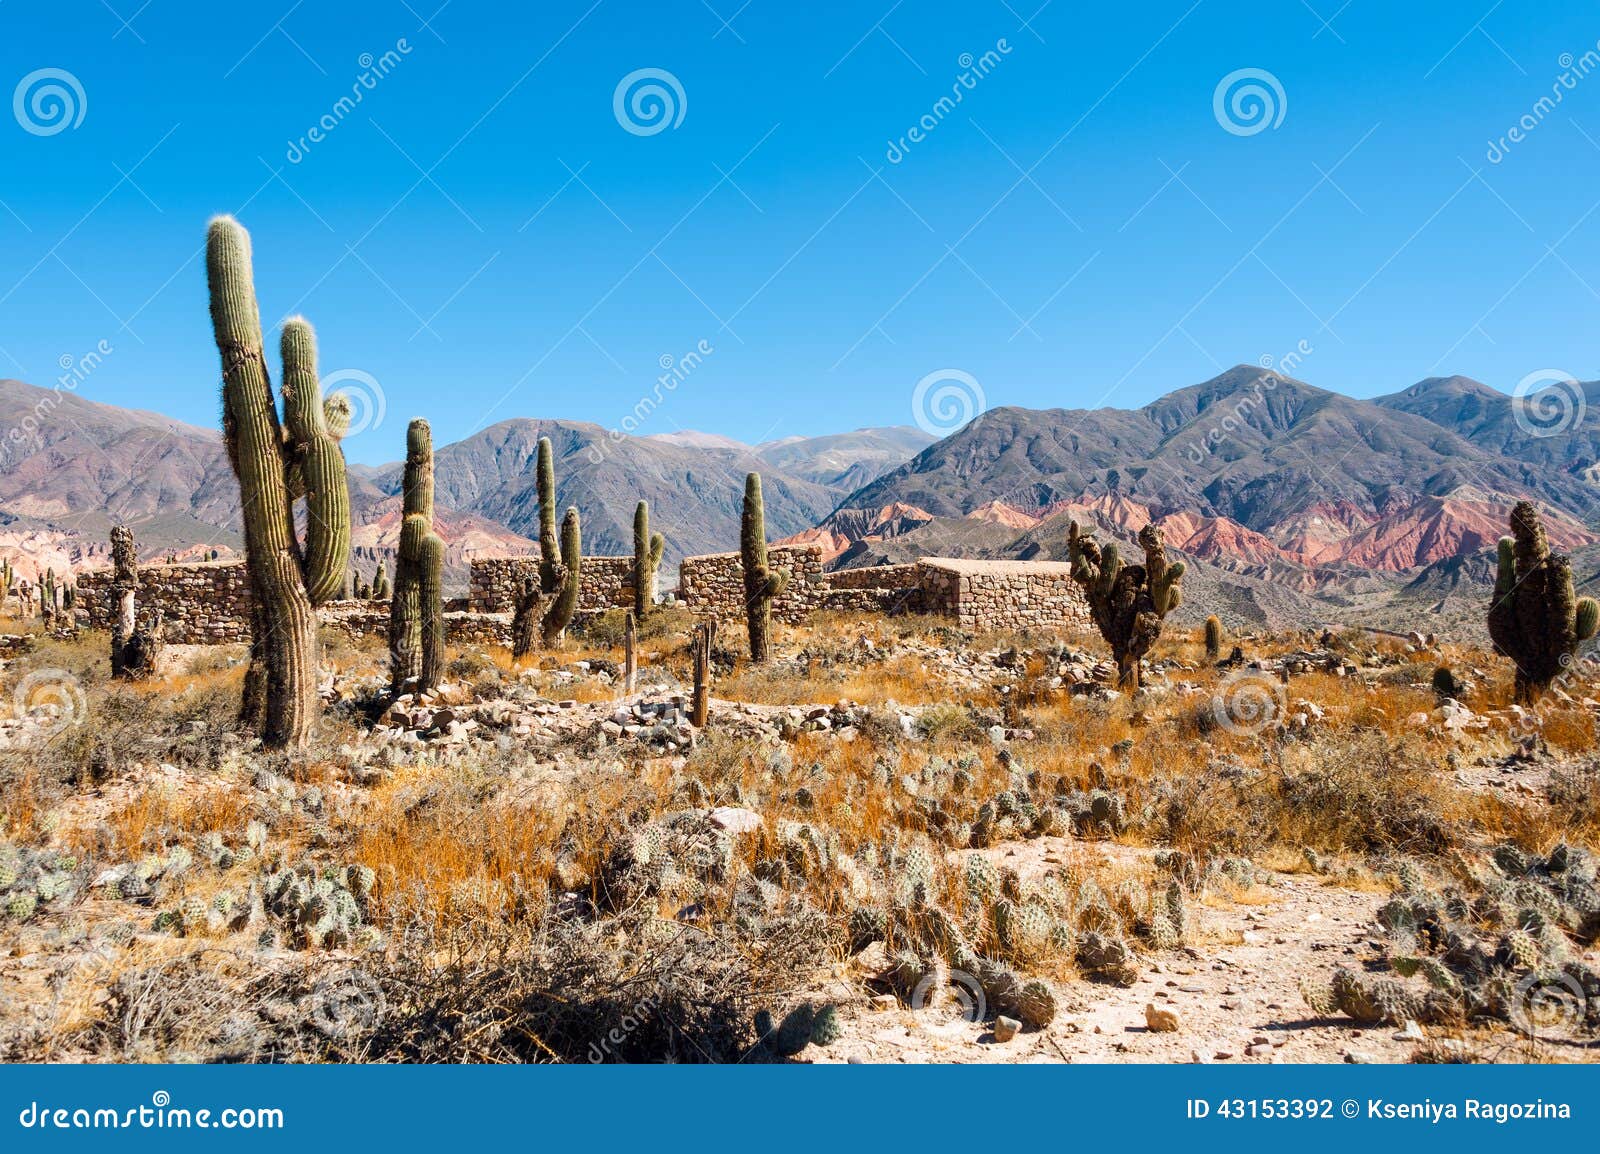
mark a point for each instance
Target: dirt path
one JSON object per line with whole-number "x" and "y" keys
{"x": 1235, "y": 991}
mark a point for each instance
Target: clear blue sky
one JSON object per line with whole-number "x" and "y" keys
{"x": 484, "y": 239}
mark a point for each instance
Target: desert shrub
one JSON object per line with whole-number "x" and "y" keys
{"x": 1362, "y": 791}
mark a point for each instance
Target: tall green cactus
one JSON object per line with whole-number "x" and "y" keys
{"x": 761, "y": 584}
{"x": 566, "y": 598}
{"x": 1535, "y": 618}
{"x": 416, "y": 617}
{"x": 647, "y": 550}
{"x": 286, "y": 580}
{"x": 1127, "y": 602}
{"x": 549, "y": 541}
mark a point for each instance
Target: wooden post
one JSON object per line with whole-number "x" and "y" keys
{"x": 630, "y": 654}
{"x": 705, "y": 636}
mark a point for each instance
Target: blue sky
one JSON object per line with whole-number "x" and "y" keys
{"x": 482, "y": 237}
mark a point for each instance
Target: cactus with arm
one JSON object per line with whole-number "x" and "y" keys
{"x": 761, "y": 584}
{"x": 647, "y": 550}
{"x": 1127, "y": 602}
{"x": 286, "y": 579}
{"x": 1535, "y": 618}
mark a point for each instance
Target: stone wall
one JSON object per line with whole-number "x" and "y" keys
{"x": 996, "y": 596}
{"x": 206, "y": 603}
{"x": 713, "y": 585}
{"x": 606, "y": 583}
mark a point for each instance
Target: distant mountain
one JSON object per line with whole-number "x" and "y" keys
{"x": 696, "y": 492}
{"x": 846, "y": 462}
{"x": 1258, "y": 469}
{"x": 78, "y": 466}
{"x": 1557, "y": 429}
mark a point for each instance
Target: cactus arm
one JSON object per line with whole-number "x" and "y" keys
{"x": 1588, "y": 618}
{"x": 430, "y": 598}
{"x": 566, "y": 599}
{"x": 321, "y": 465}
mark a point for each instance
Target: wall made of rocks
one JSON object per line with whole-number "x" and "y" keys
{"x": 207, "y": 603}
{"x": 606, "y": 583}
{"x": 1004, "y": 596}
{"x": 713, "y": 585}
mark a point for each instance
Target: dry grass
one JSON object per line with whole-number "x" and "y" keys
{"x": 520, "y": 920}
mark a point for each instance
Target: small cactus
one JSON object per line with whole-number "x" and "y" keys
{"x": 1213, "y": 638}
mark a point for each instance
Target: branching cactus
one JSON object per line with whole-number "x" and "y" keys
{"x": 416, "y": 618}
{"x": 1535, "y": 618}
{"x": 570, "y": 580}
{"x": 287, "y": 579}
{"x": 647, "y": 550}
{"x": 761, "y": 584}
{"x": 1128, "y": 602}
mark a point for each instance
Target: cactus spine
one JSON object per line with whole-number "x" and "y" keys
{"x": 1535, "y": 619}
{"x": 571, "y": 577}
{"x": 1128, "y": 602}
{"x": 647, "y": 550}
{"x": 1213, "y": 638}
{"x": 280, "y": 697}
{"x": 761, "y": 584}
{"x": 416, "y": 618}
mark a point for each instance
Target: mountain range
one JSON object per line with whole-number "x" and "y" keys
{"x": 1264, "y": 480}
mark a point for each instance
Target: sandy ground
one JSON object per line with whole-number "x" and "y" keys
{"x": 1236, "y": 992}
